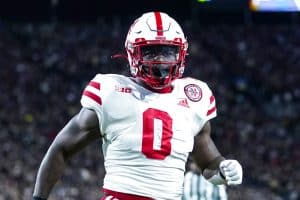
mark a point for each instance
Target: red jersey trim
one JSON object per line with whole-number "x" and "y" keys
{"x": 94, "y": 84}
{"x": 168, "y": 89}
{"x": 94, "y": 97}
{"x": 211, "y": 99}
{"x": 124, "y": 196}
{"x": 211, "y": 111}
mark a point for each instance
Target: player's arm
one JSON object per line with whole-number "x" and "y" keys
{"x": 82, "y": 129}
{"x": 214, "y": 166}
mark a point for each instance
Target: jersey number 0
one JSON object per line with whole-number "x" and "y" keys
{"x": 157, "y": 134}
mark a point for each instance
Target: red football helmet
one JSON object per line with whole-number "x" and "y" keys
{"x": 156, "y": 49}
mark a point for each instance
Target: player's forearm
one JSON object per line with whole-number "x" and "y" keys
{"x": 51, "y": 169}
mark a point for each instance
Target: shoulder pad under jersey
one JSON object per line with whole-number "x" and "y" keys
{"x": 96, "y": 91}
{"x": 200, "y": 97}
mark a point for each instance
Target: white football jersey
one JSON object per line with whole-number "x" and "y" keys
{"x": 147, "y": 136}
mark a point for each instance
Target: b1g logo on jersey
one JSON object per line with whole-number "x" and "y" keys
{"x": 193, "y": 92}
{"x": 123, "y": 89}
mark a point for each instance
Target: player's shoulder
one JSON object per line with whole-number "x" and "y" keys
{"x": 200, "y": 96}
{"x": 100, "y": 88}
{"x": 193, "y": 88}
{"x": 107, "y": 83}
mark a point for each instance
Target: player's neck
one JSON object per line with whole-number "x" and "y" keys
{"x": 167, "y": 89}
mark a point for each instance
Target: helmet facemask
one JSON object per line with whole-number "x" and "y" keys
{"x": 158, "y": 64}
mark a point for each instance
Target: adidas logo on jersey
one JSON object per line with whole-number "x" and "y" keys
{"x": 183, "y": 102}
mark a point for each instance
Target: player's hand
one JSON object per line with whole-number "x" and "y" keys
{"x": 232, "y": 172}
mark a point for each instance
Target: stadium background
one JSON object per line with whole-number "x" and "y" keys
{"x": 50, "y": 49}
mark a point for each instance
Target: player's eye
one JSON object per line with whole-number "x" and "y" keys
{"x": 152, "y": 52}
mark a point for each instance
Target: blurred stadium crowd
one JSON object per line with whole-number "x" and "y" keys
{"x": 253, "y": 71}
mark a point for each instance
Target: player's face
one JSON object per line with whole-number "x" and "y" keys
{"x": 159, "y": 61}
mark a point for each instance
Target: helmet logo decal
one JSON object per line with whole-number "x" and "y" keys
{"x": 159, "y": 25}
{"x": 193, "y": 92}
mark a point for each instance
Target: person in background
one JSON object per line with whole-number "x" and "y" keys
{"x": 196, "y": 187}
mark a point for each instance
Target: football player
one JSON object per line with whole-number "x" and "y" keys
{"x": 149, "y": 123}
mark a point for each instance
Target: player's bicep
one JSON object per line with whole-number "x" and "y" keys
{"x": 205, "y": 151}
{"x": 81, "y": 130}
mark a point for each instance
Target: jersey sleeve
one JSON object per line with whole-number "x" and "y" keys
{"x": 93, "y": 96}
{"x": 208, "y": 108}
{"x": 211, "y": 108}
